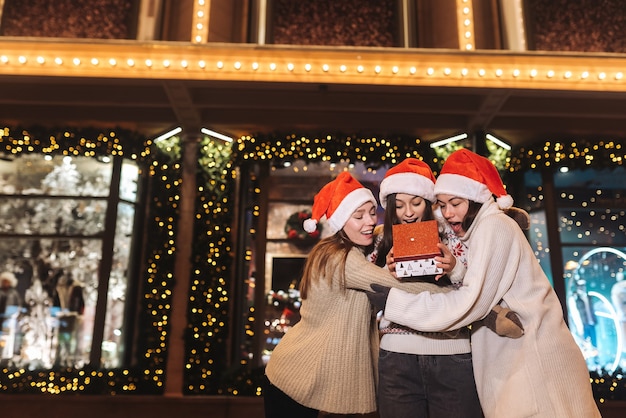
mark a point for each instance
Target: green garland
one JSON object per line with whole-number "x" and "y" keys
{"x": 296, "y": 233}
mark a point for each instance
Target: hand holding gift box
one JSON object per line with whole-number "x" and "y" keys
{"x": 415, "y": 249}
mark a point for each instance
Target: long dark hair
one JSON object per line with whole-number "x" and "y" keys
{"x": 392, "y": 219}
{"x": 472, "y": 211}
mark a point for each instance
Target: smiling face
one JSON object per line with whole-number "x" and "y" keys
{"x": 360, "y": 227}
{"x": 453, "y": 209}
{"x": 410, "y": 208}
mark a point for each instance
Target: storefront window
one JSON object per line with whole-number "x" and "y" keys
{"x": 55, "y": 227}
{"x": 592, "y": 234}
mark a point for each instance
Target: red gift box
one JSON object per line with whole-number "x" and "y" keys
{"x": 414, "y": 249}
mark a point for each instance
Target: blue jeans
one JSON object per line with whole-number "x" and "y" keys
{"x": 429, "y": 386}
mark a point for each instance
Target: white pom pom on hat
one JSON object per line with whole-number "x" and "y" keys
{"x": 471, "y": 176}
{"x": 411, "y": 176}
{"x": 337, "y": 201}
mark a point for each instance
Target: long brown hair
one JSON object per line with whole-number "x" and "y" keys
{"x": 391, "y": 218}
{"x": 322, "y": 262}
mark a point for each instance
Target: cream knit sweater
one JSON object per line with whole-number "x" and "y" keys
{"x": 327, "y": 361}
{"x": 541, "y": 374}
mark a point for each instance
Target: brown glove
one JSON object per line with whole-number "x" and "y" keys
{"x": 504, "y": 322}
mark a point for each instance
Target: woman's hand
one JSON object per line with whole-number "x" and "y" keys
{"x": 391, "y": 264}
{"x": 446, "y": 261}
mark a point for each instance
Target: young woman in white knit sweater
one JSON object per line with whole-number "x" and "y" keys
{"x": 543, "y": 374}
{"x": 421, "y": 374}
{"x": 327, "y": 361}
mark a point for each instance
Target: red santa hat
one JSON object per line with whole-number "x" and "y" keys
{"x": 468, "y": 175}
{"x": 337, "y": 201}
{"x": 411, "y": 176}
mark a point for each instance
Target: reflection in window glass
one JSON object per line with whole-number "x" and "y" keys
{"x": 39, "y": 216}
{"x": 112, "y": 343}
{"x": 596, "y": 303}
{"x": 591, "y": 226}
{"x": 57, "y": 281}
{"x": 54, "y": 176}
{"x": 53, "y": 228}
{"x": 128, "y": 181}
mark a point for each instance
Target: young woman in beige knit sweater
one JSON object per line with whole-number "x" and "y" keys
{"x": 327, "y": 361}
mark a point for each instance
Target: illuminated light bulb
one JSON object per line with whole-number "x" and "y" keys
{"x": 94, "y": 61}
{"x": 395, "y": 69}
{"x": 550, "y": 74}
{"x": 131, "y": 62}
{"x": 272, "y": 66}
{"x": 112, "y": 62}
{"x": 498, "y": 72}
{"x": 198, "y": 38}
{"x": 200, "y": 13}
{"x": 468, "y": 34}
{"x": 202, "y": 64}
{"x": 467, "y": 22}
{"x": 58, "y": 61}
{"x": 533, "y": 73}
{"x": 481, "y": 72}
{"x": 290, "y": 67}
{"x": 255, "y": 66}
{"x": 76, "y": 61}
{"x": 4, "y": 59}
{"x": 199, "y": 26}
{"x": 325, "y": 68}
{"x": 568, "y": 74}
{"x": 21, "y": 59}
{"x": 430, "y": 71}
{"x": 343, "y": 68}
{"x": 184, "y": 64}
{"x": 412, "y": 70}
{"x": 469, "y": 46}
{"x": 619, "y": 76}
{"x": 148, "y": 63}
{"x": 166, "y": 63}
{"x": 447, "y": 71}
{"x": 516, "y": 73}
{"x": 307, "y": 67}
{"x": 220, "y": 65}
{"x": 41, "y": 60}
{"x": 601, "y": 76}
{"x": 466, "y": 10}
{"x": 237, "y": 65}
{"x": 464, "y": 72}
{"x": 359, "y": 68}
{"x": 584, "y": 75}
{"x": 377, "y": 69}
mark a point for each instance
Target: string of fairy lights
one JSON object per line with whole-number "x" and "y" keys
{"x": 206, "y": 336}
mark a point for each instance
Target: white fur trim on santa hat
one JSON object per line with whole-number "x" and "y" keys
{"x": 461, "y": 186}
{"x": 467, "y": 188}
{"x": 348, "y": 205}
{"x": 409, "y": 183}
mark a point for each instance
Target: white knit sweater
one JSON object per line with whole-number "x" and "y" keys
{"x": 327, "y": 361}
{"x": 541, "y": 374}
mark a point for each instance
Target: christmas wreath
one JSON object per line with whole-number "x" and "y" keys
{"x": 296, "y": 233}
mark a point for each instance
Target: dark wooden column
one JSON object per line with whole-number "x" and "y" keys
{"x": 182, "y": 268}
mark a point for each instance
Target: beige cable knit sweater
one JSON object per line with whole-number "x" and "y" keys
{"x": 327, "y": 361}
{"x": 542, "y": 374}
